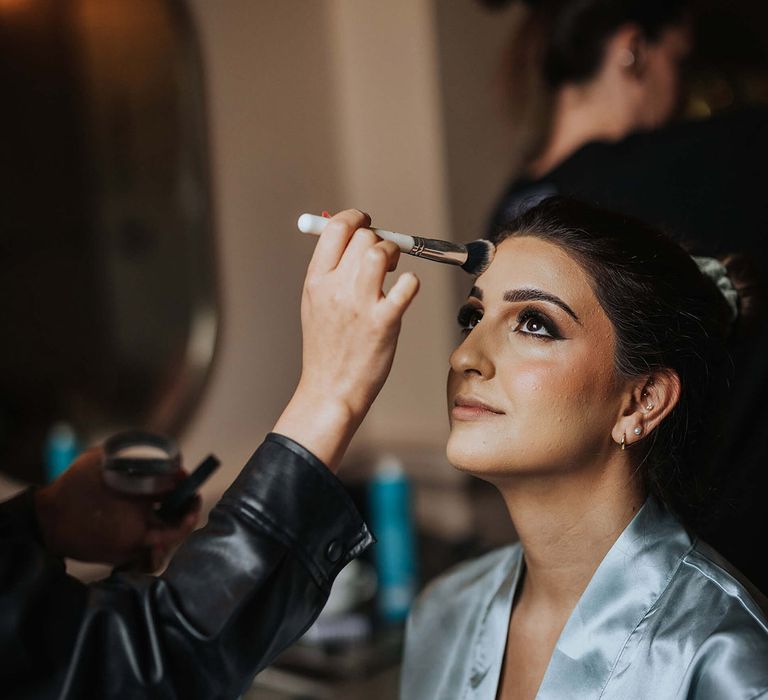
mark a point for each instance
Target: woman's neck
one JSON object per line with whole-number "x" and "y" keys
{"x": 567, "y": 524}
{"x": 582, "y": 114}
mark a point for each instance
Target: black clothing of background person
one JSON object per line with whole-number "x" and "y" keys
{"x": 705, "y": 183}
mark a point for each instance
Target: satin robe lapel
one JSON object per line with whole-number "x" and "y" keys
{"x": 485, "y": 670}
{"x": 622, "y": 591}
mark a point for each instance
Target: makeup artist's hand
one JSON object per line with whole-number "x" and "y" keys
{"x": 81, "y": 517}
{"x": 350, "y": 330}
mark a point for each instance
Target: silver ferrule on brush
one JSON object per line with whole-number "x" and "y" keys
{"x": 428, "y": 248}
{"x": 439, "y": 251}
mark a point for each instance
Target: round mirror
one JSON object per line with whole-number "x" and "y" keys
{"x": 107, "y": 279}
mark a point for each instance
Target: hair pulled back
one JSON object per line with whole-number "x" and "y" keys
{"x": 563, "y": 41}
{"x": 667, "y": 315}
{"x": 577, "y": 31}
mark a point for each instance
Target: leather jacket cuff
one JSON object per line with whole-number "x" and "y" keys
{"x": 290, "y": 493}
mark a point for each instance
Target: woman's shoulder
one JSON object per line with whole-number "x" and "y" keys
{"x": 730, "y": 634}
{"x": 722, "y": 581}
{"x": 705, "y": 635}
{"x": 726, "y": 622}
{"x": 689, "y": 146}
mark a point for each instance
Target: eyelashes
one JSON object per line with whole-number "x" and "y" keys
{"x": 530, "y": 322}
{"x": 469, "y": 316}
{"x": 535, "y": 323}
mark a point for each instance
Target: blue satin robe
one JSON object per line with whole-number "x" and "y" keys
{"x": 664, "y": 616}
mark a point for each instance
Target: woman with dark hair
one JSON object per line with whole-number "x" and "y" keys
{"x": 600, "y": 80}
{"x": 587, "y": 389}
{"x": 594, "y": 70}
{"x": 591, "y": 86}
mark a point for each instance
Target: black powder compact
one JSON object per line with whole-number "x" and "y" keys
{"x": 141, "y": 463}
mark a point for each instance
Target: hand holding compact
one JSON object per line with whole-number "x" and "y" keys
{"x": 350, "y": 330}
{"x": 83, "y": 518}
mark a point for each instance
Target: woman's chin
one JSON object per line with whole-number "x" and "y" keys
{"x": 471, "y": 457}
{"x": 492, "y": 456}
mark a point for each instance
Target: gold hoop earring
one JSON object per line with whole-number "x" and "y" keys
{"x": 623, "y": 443}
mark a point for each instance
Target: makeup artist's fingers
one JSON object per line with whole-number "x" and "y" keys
{"x": 400, "y": 296}
{"x": 372, "y": 268}
{"x": 334, "y": 239}
{"x": 362, "y": 240}
{"x": 393, "y": 253}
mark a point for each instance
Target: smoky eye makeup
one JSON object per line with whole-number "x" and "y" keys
{"x": 533, "y": 322}
{"x": 468, "y": 317}
{"x": 530, "y": 321}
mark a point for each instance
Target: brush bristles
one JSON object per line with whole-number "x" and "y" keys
{"x": 479, "y": 256}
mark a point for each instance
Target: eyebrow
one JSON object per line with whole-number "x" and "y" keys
{"x": 516, "y": 295}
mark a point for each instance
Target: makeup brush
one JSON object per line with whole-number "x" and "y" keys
{"x": 473, "y": 257}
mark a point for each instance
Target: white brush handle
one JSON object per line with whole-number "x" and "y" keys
{"x": 309, "y": 223}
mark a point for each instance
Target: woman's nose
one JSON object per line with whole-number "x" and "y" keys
{"x": 472, "y": 356}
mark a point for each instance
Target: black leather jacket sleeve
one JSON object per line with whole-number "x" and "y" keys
{"x": 235, "y": 594}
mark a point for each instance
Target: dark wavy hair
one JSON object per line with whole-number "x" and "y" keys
{"x": 666, "y": 315}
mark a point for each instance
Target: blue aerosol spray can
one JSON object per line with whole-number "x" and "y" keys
{"x": 61, "y": 449}
{"x": 394, "y": 552}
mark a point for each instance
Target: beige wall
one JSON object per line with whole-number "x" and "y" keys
{"x": 479, "y": 144}
{"x": 326, "y": 104}
{"x": 273, "y": 154}
{"x": 391, "y": 143}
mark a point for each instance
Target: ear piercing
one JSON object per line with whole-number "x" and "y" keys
{"x": 649, "y": 405}
{"x": 627, "y": 58}
{"x": 637, "y": 431}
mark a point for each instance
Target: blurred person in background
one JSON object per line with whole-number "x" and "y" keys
{"x": 593, "y": 86}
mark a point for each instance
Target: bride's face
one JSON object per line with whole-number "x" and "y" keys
{"x": 532, "y": 386}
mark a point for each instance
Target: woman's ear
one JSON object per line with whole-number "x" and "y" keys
{"x": 626, "y": 52}
{"x": 647, "y": 404}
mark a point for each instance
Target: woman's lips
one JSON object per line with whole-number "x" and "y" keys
{"x": 468, "y": 408}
